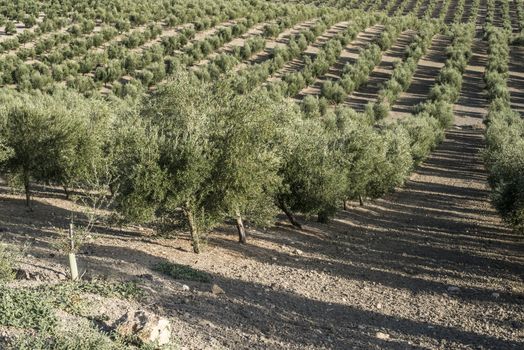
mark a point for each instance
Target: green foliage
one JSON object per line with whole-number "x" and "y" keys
{"x": 332, "y": 92}
{"x": 25, "y": 308}
{"x": 54, "y": 138}
{"x": 182, "y": 272}
{"x": 314, "y": 107}
{"x": 506, "y": 164}
{"x": 126, "y": 290}
{"x": 7, "y": 259}
{"x": 449, "y": 82}
{"x": 214, "y": 156}
{"x": 34, "y": 309}
{"x": 10, "y": 28}
{"x": 424, "y": 135}
{"x": 311, "y": 176}
{"x": 80, "y": 338}
{"x": 393, "y": 164}
{"x": 359, "y": 145}
{"x": 504, "y": 154}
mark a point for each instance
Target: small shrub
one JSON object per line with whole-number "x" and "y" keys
{"x": 380, "y": 110}
{"x": 182, "y": 272}
{"x": 26, "y": 308}
{"x": 6, "y": 264}
{"x": 81, "y": 338}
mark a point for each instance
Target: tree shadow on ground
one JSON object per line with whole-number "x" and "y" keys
{"x": 272, "y": 312}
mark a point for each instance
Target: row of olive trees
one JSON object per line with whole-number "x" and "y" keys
{"x": 216, "y": 154}
{"x": 169, "y": 59}
{"x": 505, "y": 134}
{"x": 15, "y": 41}
{"x": 51, "y": 138}
{"x": 257, "y": 73}
{"x": 403, "y": 72}
{"x": 448, "y": 85}
{"x": 293, "y": 82}
{"x": 199, "y": 151}
{"x": 117, "y": 58}
{"x": 146, "y": 74}
{"x": 355, "y": 75}
{"x": 520, "y": 14}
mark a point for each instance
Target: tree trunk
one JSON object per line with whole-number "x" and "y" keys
{"x": 193, "y": 229}
{"x": 361, "y": 200}
{"x": 27, "y": 188}
{"x": 289, "y": 215}
{"x": 66, "y": 191}
{"x": 345, "y": 205}
{"x": 323, "y": 217}
{"x": 240, "y": 228}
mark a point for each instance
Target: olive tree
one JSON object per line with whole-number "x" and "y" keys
{"x": 53, "y": 138}
{"x": 312, "y": 177}
{"x": 245, "y": 174}
{"x": 216, "y": 156}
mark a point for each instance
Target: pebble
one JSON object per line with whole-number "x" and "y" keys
{"x": 215, "y": 289}
{"x": 185, "y": 287}
{"x": 495, "y": 295}
{"x": 383, "y": 336}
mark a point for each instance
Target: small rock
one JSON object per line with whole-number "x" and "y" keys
{"x": 379, "y": 306}
{"x": 453, "y": 289}
{"x": 274, "y": 258}
{"x": 145, "y": 327}
{"x": 298, "y": 252}
{"x": 383, "y": 336}
{"x": 361, "y": 327}
{"x": 146, "y": 276}
{"x": 22, "y": 275}
{"x": 185, "y": 287}
{"x": 495, "y": 295}
{"x": 216, "y": 290}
